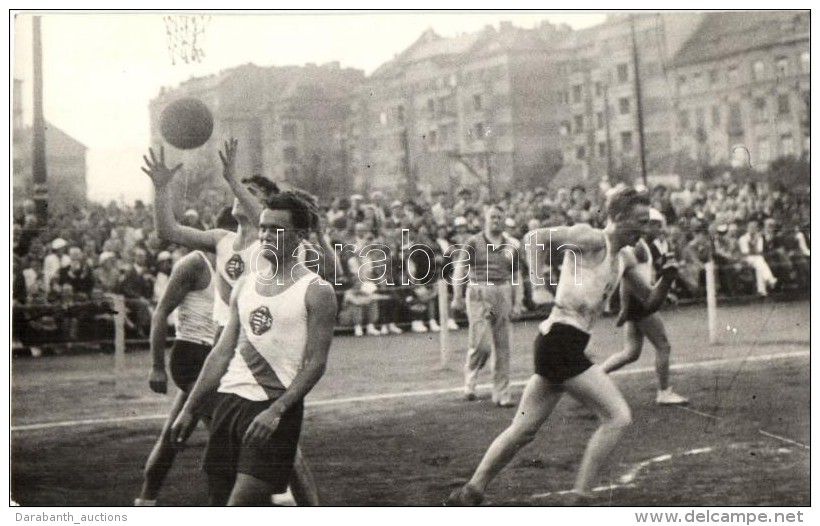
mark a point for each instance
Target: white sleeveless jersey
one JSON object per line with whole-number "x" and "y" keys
{"x": 272, "y": 341}
{"x": 230, "y": 266}
{"x": 194, "y": 314}
{"x": 583, "y": 291}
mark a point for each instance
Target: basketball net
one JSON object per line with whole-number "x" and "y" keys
{"x": 185, "y": 37}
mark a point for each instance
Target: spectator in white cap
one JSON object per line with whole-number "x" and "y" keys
{"x": 461, "y": 233}
{"x": 56, "y": 260}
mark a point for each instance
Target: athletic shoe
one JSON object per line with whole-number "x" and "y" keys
{"x": 372, "y": 330}
{"x": 357, "y": 330}
{"x": 434, "y": 326}
{"x": 395, "y": 329}
{"x": 452, "y": 325}
{"x": 385, "y": 330}
{"x": 144, "y": 502}
{"x": 418, "y": 326}
{"x": 670, "y": 397}
{"x": 505, "y": 403}
{"x": 464, "y": 496}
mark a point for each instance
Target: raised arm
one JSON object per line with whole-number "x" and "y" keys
{"x": 251, "y": 203}
{"x": 182, "y": 280}
{"x": 168, "y": 228}
{"x": 321, "y": 318}
{"x": 651, "y": 297}
{"x": 545, "y": 245}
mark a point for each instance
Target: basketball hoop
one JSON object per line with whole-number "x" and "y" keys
{"x": 185, "y": 36}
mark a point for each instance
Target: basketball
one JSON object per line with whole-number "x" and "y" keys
{"x": 186, "y": 123}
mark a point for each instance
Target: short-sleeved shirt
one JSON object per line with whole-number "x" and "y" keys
{"x": 497, "y": 264}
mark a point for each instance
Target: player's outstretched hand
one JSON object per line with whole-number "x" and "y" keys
{"x": 158, "y": 381}
{"x": 182, "y": 428}
{"x": 228, "y": 159}
{"x": 156, "y": 169}
{"x": 263, "y": 426}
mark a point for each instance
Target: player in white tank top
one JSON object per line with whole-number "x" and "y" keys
{"x": 640, "y": 323}
{"x": 246, "y": 209}
{"x": 190, "y": 292}
{"x": 604, "y": 256}
{"x": 273, "y": 349}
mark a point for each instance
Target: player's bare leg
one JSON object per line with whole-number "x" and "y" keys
{"x": 301, "y": 482}
{"x": 655, "y": 331}
{"x": 162, "y": 456}
{"x": 597, "y": 391}
{"x": 633, "y": 345}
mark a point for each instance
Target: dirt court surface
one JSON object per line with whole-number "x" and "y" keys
{"x": 386, "y": 425}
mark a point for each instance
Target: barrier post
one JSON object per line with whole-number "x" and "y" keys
{"x": 711, "y": 302}
{"x": 443, "y": 321}
{"x": 119, "y": 343}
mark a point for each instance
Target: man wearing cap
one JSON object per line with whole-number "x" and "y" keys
{"x": 56, "y": 260}
{"x": 639, "y": 322}
{"x": 77, "y": 274}
{"x": 491, "y": 273}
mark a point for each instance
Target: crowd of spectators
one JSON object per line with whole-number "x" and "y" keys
{"x": 758, "y": 234}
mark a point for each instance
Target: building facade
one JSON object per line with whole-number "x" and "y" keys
{"x": 743, "y": 81}
{"x": 65, "y": 160}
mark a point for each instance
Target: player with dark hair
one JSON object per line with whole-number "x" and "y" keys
{"x": 235, "y": 251}
{"x": 594, "y": 260}
{"x": 271, "y": 353}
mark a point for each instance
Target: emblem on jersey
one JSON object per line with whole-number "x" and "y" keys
{"x": 261, "y": 320}
{"x": 235, "y": 267}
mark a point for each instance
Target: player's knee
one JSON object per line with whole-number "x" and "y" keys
{"x": 632, "y": 353}
{"x": 621, "y": 418}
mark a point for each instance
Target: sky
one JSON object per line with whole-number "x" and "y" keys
{"x": 100, "y": 70}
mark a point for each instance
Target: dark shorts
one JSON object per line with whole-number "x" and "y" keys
{"x": 634, "y": 309}
{"x": 226, "y": 455}
{"x": 186, "y": 362}
{"x": 559, "y": 354}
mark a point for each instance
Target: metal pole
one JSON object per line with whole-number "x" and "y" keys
{"x": 443, "y": 321}
{"x": 38, "y": 165}
{"x": 638, "y": 102}
{"x": 119, "y": 344}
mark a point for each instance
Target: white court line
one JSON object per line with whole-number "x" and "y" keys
{"x": 783, "y": 439}
{"x": 628, "y": 479}
{"x": 701, "y": 413}
{"x": 427, "y": 392}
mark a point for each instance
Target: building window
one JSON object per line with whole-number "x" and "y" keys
{"x": 599, "y": 120}
{"x": 431, "y": 107}
{"x": 400, "y": 114}
{"x": 291, "y": 154}
{"x": 735, "y": 119}
{"x": 683, "y": 119}
{"x": 764, "y": 150}
{"x": 623, "y": 73}
{"x": 576, "y": 93}
{"x": 289, "y": 132}
{"x": 683, "y": 85}
{"x": 696, "y": 79}
{"x": 783, "y": 107}
{"x": 805, "y": 62}
{"x": 713, "y": 77}
{"x": 715, "y": 116}
{"x": 477, "y": 102}
{"x": 700, "y": 118}
{"x": 734, "y": 75}
{"x": 760, "y": 109}
{"x": 602, "y": 149}
{"x": 480, "y": 131}
{"x": 623, "y": 106}
{"x": 599, "y": 89}
{"x": 786, "y": 144}
{"x": 579, "y": 124}
{"x": 758, "y": 70}
{"x": 580, "y": 153}
{"x": 782, "y": 65}
{"x": 626, "y": 141}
